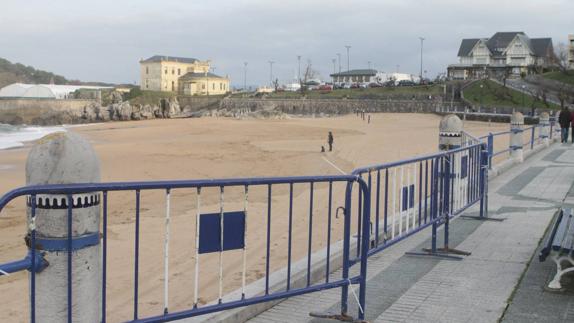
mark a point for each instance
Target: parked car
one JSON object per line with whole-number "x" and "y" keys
{"x": 325, "y": 87}
{"x": 375, "y": 85}
{"x": 346, "y": 85}
{"x": 355, "y": 86}
{"x": 389, "y": 83}
{"x": 363, "y": 85}
{"x": 406, "y": 83}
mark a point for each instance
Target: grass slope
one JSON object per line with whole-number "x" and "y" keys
{"x": 560, "y": 77}
{"x": 493, "y": 94}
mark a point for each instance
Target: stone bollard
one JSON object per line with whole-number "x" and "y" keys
{"x": 516, "y": 140}
{"x": 545, "y": 128}
{"x": 450, "y": 132}
{"x": 65, "y": 158}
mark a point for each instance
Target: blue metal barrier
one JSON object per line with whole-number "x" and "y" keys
{"x": 413, "y": 194}
{"x": 394, "y": 201}
{"x": 216, "y": 224}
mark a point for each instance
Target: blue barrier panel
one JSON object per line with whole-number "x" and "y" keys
{"x": 210, "y": 239}
{"x": 210, "y": 232}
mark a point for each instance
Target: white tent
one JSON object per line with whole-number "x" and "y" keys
{"x": 15, "y": 90}
{"x": 47, "y": 91}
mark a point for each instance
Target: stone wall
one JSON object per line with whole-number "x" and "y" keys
{"x": 197, "y": 103}
{"x": 328, "y": 107}
{"x": 33, "y": 111}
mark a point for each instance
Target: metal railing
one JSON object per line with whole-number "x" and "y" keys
{"x": 394, "y": 201}
{"x": 68, "y": 195}
{"x": 532, "y": 136}
{"x": 411, "y": 195}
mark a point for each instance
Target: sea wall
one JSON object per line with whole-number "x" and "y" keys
{"x": 328, "y": 107}
{"x": 33, "y": 111}
{"x": 198, "y": 103}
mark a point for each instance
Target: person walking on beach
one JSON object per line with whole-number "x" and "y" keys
{"x": 564, "y": 119}
{"x": 330, "y": 141}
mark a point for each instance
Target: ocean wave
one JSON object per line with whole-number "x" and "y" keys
{"x": 16, "y": 136}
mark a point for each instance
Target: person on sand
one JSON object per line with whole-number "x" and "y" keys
{"x": 330, "y": 141}
{"x": 564, "y": 119}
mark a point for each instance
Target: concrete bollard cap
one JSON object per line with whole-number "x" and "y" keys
{"x": 62, "y": 158}
{"x": 450, "y": 126}
{"x": 517, "y": 118}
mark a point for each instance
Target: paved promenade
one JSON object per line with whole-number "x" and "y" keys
{"x": 486, "y": 286}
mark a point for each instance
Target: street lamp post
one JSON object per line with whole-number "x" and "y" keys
{"x": 299, "y": 68}
{"x": 271, "y": 73}
{"x": 339, "y": 56}
{"x": 523, "y": 89}
{"x": 244, "y": 77}
{"x": 334, "y": 70}
{"x": 398, "y": 67}
{"x": 348, "y": 60}
{"x": 481, "y": 86}
{"x": 421, "y": 74}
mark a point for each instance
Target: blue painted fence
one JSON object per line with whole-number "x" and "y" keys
{"x": 393, "y": 201}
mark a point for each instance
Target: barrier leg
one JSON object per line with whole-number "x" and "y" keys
{"x": 483, "y": 178}
{"x": 343, "y": 316}
{"x": 436, "y": 198}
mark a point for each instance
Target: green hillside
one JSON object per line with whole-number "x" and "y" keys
{"x": 560, "y": 77}
{"x": 16, "y": 72}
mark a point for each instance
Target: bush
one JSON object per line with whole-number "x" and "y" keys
{"x": 133, "y": 93}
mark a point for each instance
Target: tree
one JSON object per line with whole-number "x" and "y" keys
{"x": 561, "y": 58}
{"x": 309, "y": 74}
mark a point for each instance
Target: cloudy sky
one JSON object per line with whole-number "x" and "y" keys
{"x": 104, "y": 40}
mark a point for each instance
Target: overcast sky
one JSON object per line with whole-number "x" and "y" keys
{"x": 104, "y": 40}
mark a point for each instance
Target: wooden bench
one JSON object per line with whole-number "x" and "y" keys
{"x": 560, "y": 243}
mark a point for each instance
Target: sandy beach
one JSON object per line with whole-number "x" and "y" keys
{"x": 210, "y": 148}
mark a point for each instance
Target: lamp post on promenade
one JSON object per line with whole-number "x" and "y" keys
{"x": 339, "y": 56}
{"x": 348, "y": 60}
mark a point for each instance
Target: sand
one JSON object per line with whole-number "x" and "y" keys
{"x": 210, "y": 148}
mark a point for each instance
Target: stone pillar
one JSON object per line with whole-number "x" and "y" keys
{"x": 64, "y": 158}
{"x": 545, "y": 128}
{"x": 516, "y": 140}
{"x": 450, "y": 132}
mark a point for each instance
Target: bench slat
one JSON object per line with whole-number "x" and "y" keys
{"x": 562, "y": 238}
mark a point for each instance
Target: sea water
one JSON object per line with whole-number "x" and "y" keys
{"x": 16, "y": 136}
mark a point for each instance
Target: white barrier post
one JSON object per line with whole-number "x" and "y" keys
{"x": 545, "y": 128}
{"x": 516, "y": 140}
{"x": 65, "y": 158}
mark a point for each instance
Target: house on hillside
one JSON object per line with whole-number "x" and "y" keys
{"x": 505, "y": 54}
{"x": 187, "y": 76}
